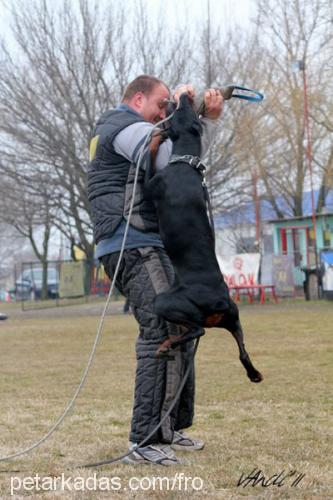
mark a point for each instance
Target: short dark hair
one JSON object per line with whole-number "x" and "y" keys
{"x": 142, "y": 83}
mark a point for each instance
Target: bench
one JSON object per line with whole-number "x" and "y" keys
{"x": 250, "y": 292}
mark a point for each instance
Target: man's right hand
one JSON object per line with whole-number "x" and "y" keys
{"x": 213, "y": 104}
{"x": 183, "y": 89}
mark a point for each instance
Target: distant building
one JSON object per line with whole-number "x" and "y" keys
{"x": 236, "y": 229}
{"x": 295, "y": 236}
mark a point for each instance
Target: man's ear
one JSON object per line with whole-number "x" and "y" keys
{"x": 138, "y": 99}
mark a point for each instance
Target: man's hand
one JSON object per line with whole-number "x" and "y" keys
{"x": 213, "y": 104}
{"x": 183, "y": 89}
{"x": 155, "y": 144}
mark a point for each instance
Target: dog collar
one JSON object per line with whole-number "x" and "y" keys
{"x": 193, "y": 161}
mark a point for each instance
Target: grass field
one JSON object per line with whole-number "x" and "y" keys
{"x": 283, "y": 424}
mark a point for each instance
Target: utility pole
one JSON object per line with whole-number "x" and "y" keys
{"x": 300, "y": 66}
{"x": 256, "y": 203}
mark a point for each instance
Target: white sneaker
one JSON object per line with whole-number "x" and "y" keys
{"x": 158, "y": 454}
{"x": 182, "y": 441}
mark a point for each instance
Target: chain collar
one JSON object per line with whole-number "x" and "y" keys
{"x": 193, "y": 161}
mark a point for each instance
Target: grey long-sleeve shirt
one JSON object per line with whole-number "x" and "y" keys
{"x": 129, "y": 143}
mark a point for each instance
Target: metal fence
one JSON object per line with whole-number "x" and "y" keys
{"x": 65, "y": 282}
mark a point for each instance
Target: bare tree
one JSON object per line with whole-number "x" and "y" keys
{"x": 234, "y": 61}
{"x": 74, "y": 61}
{"x": 290, "y": 31}
{"x": 26, "y": 205}
{"x": 268, "y": 139}
{"x": 12, "y": 247}
{"x": 73, "y": 65}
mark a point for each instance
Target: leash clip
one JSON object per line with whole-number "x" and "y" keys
{"x": 196, "y": 162}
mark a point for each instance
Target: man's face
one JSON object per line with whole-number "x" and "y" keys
{"x": 154, "y": 106}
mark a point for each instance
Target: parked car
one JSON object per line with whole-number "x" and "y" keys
{"x": 5, "y": 295}
{"x": 29, "y": 284}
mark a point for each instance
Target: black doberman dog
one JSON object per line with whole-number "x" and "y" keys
{"x": 199, "y": 296}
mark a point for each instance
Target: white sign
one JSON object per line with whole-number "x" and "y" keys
{"x": 241, "y": 269}
{"x": 71, "y": 282}
{"x": 327, "y": 269}
{"x": 328, "y": 278}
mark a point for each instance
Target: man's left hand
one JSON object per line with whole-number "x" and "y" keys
{"x": 155, "y": 144}
{"x": 213, "y": 104}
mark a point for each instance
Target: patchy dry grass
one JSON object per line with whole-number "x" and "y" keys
{"x": 285, "y": 423}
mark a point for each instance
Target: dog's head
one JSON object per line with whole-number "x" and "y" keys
{"x": 185, "y": 120}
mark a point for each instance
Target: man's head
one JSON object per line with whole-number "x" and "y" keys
{"x": 147, "y": 95}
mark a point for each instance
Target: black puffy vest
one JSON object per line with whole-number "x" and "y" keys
{"x": 110, "y": 180}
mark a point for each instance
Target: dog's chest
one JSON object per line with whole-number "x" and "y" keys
{"x": 181, "y": 183}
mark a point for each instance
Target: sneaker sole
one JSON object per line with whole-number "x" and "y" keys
{"x": 142, "y": 461}
{"x": 179, "y": 447}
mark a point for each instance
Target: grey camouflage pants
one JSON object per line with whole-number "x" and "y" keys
{"x": 145, "y": 272}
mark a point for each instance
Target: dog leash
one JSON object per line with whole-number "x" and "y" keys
{"x": 165, "y": 416}
{"x": 92, "y": 354}
{"x": 84, "y": 376}
{"x": 227, "y": 93}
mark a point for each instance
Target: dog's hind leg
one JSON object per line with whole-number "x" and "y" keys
{"x": 238, "y": 335}
{"x": 230, "y": 321}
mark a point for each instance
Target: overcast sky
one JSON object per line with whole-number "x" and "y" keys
{"x": 224, "y": 13}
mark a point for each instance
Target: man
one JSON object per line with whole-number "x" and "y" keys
{"x": 145, "y": 269}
